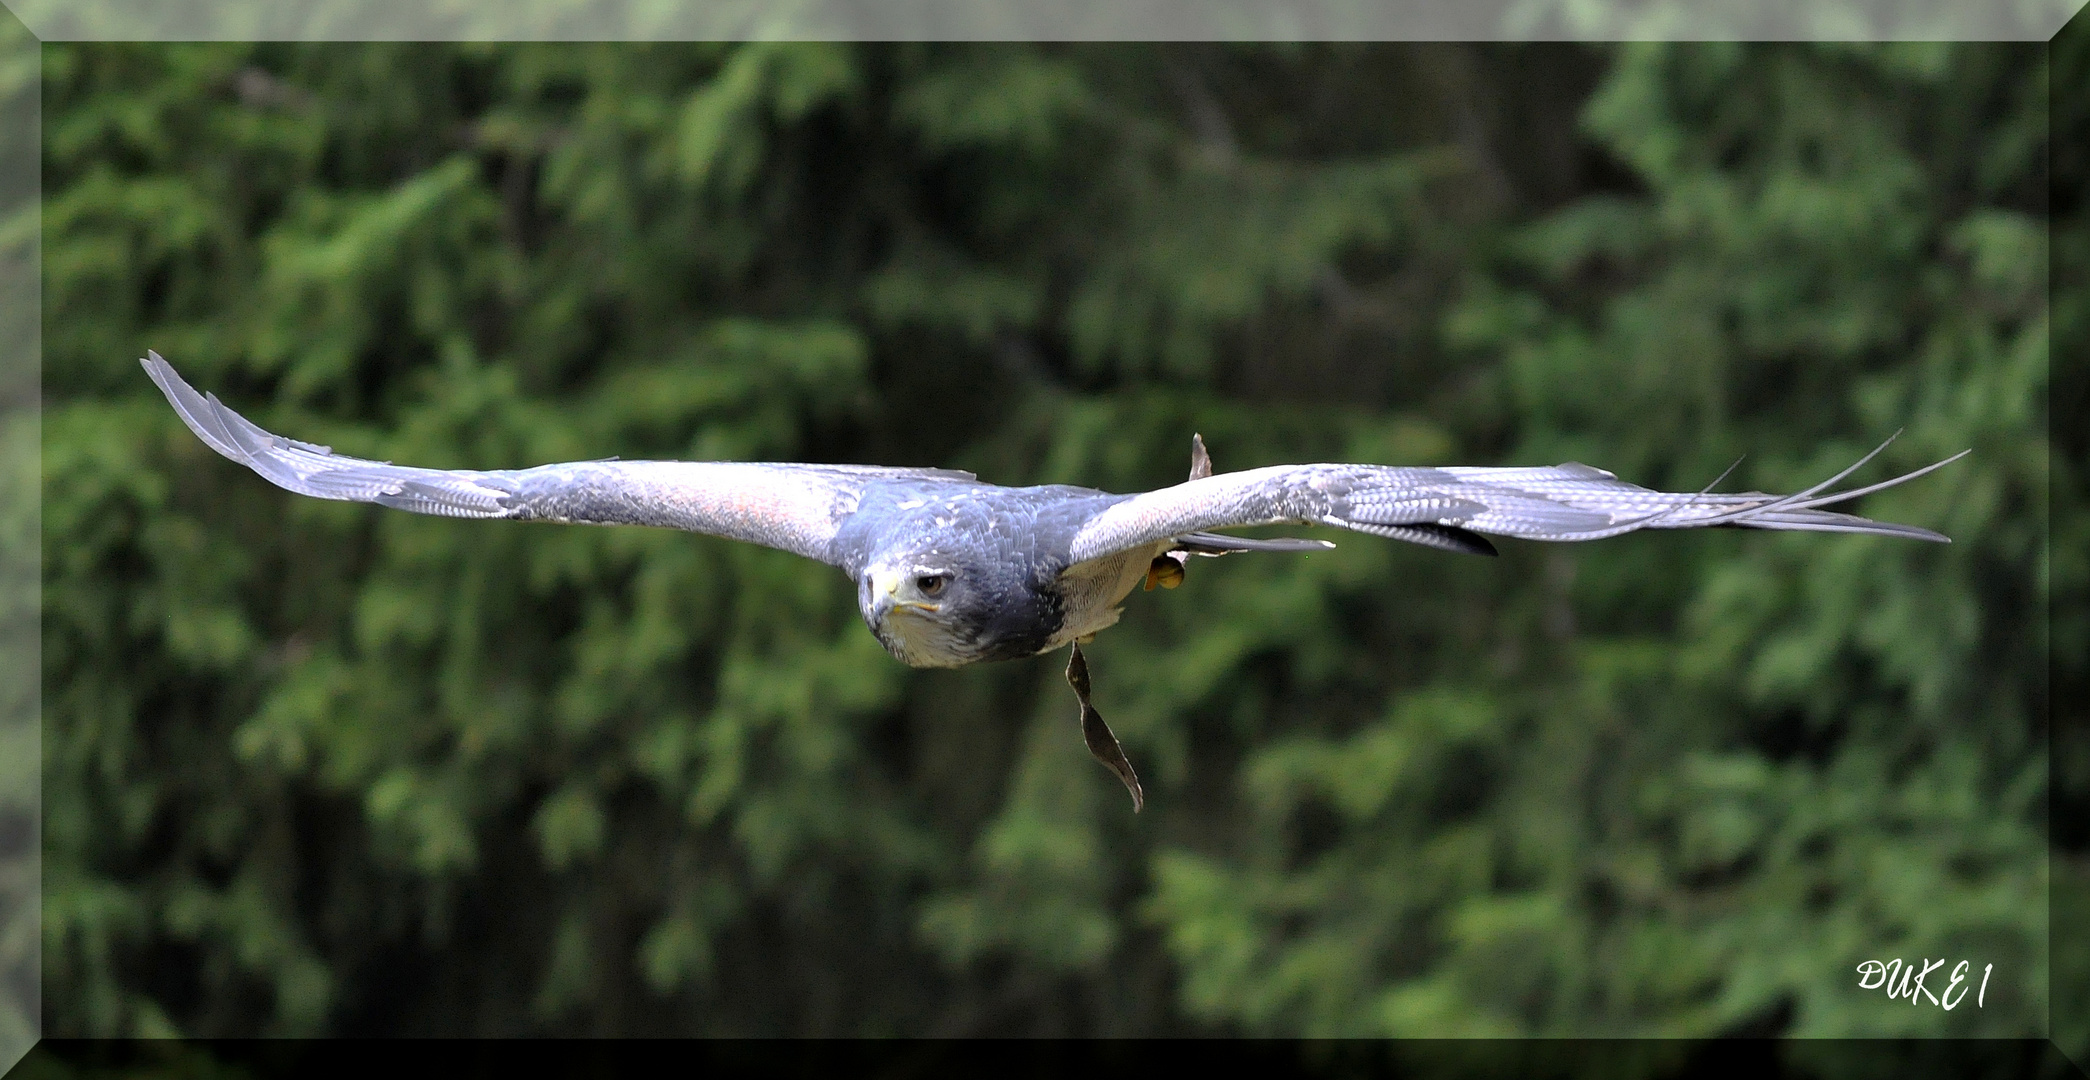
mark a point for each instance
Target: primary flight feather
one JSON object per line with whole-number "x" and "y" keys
{"x": 952, "y": 571}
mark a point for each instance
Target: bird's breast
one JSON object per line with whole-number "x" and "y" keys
{"x": 1090, "y": 592}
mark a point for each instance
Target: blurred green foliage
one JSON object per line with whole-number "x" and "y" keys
{"x": 316, "y": 768}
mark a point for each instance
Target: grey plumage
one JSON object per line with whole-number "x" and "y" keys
{"x": 951, "y": 571}
{"x": 793, "y": 507}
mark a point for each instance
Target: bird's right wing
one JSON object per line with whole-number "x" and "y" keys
{"x": 797, "y": 508}
{"x": 1449, "y": 507}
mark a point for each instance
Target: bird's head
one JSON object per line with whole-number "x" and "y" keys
{"x": 924, "y": 610}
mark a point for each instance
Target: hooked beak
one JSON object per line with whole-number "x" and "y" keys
{"x": 885, "y": 587}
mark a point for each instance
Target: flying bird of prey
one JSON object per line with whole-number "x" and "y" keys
{"x": 950, "y": 571}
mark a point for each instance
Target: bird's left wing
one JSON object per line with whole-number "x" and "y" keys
{"x": 797, "y": 508}
{"x": 1449, "y": 507}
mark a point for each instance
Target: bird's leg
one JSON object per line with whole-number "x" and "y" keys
{"x": 1167, "y": 568}
{"x": 1096, "y": 733}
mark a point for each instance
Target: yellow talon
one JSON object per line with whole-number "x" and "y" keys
{"x": 1165, "y": 572}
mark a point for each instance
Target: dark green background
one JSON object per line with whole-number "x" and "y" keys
{"x": 324, "y": 769}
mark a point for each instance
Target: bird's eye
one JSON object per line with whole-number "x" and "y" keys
{"x": 931, "y": 584}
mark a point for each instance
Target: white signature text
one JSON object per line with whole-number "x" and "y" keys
{"x": 1906, "y": 981}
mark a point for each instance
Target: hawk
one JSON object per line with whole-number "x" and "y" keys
{"x": 950, "y": 571}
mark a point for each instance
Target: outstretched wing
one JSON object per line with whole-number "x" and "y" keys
{"x": 1449, "y": 507}
{"x": 793, "y": 507}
